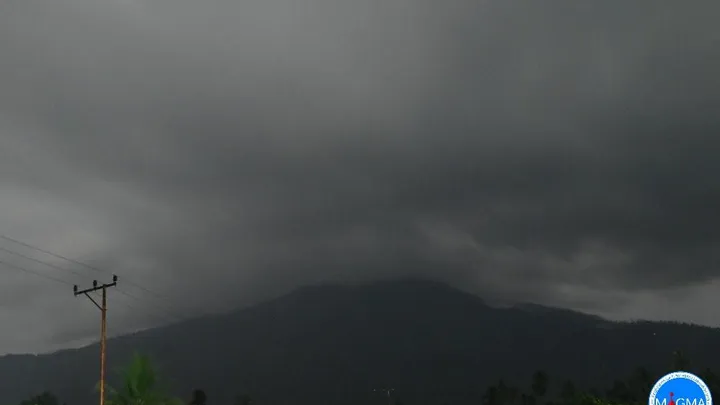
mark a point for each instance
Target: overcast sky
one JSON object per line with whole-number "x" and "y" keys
{"x": 218, "y": 152}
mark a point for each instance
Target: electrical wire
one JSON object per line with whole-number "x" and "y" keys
{"x": 85, "y": 265}
{"x": 155, "y": 295}
{"x": 166, "y": 313}
{"x": 19, "y": 268}
{"x": 41, "y": 262}
{"x": 112, "y": 331}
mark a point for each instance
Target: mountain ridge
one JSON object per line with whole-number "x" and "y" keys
{"x": 432, "y": 342}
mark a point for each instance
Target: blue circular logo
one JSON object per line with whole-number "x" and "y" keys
{"x": 680, "y": 388}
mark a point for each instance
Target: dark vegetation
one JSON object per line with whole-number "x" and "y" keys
{"x": 140, "y": 385}
{"x": 343, "y": 345}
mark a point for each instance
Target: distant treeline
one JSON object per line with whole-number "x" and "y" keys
{"x": 141, "y": 385}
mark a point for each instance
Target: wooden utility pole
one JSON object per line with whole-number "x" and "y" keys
{"x": 103, "y": 328}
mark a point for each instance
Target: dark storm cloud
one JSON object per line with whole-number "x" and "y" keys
{"x": 559, "y": 153}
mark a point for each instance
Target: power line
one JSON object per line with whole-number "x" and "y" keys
{"x": 42, "y": 262}
{"x": 12, "y": 266}
{"x": 167, "y": 314}
{"x": 155, "y": 312}
{"x": 79, "y": 263}
{"x": 64, "y": 282}
{"x": 151, "y": 315}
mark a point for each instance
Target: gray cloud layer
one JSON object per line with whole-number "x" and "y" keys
{"x": 559, "y": 153}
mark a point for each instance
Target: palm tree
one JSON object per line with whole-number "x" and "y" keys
{"x": 140, "y": 386}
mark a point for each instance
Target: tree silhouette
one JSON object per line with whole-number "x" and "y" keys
{"x": 680, "y": 362}
{"x": 491, "y": 396}
{"x": 526, "y": 399}
{"x": 639, "y": 385}
{"x": 243, "y": 400}
{"x": 198, "y": 397}
{"x": 619, "y": 392}
{"x": 502, "y": 393}
{"x": 568, "y": 392}
{"x": 539, "y": 384}
{"x": 46, "y": 398}
{"x": 711, "y": 379}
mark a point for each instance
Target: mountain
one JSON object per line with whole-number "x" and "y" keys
{"x": 335, "y": 344}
